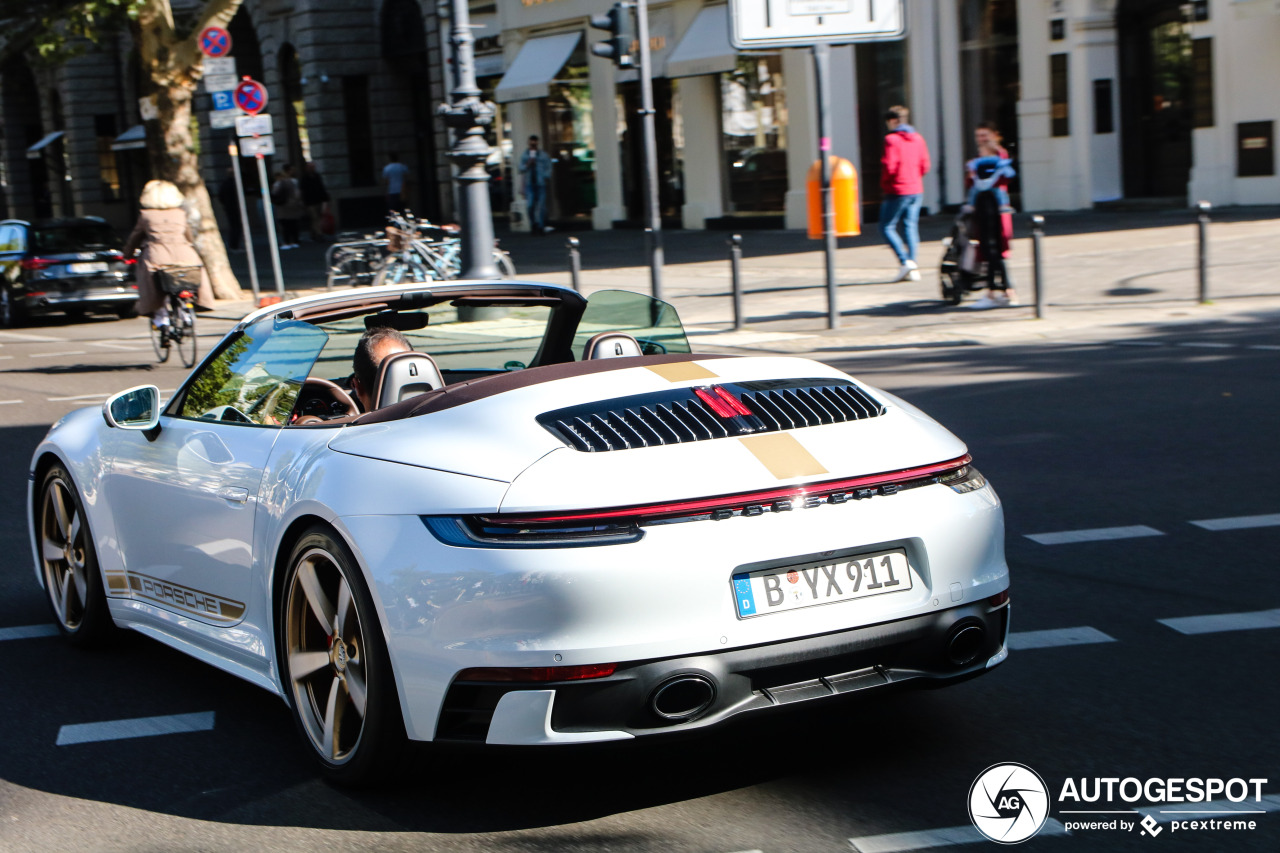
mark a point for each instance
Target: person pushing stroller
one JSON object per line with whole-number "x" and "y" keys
{"x": 984, "y": 228}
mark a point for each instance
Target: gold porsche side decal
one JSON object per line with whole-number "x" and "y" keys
{"x": 783, "y": 455}
{"x": 206, "y": 605}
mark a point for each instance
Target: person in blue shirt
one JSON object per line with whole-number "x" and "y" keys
{"x": 535, "y": 166}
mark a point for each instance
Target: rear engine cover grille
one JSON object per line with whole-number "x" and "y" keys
{"x": 683, "y": 415}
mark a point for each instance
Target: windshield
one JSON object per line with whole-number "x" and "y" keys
{"x": 461, "y": 339}
{"x": 75, "y": 237}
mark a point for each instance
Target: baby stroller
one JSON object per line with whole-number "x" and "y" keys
{"x": 975, "y": 234}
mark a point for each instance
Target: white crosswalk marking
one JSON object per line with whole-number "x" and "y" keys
{"x": 1217, "y": 622}
{"x": 139, "y": 727}
{"x": 1083, "y": 635}
{"x": 930, "y": 838}
{"x": 1240, "y": 522}
{"x": 1097, "y": 534}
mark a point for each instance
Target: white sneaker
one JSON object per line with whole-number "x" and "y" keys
{"x": 985, "y": 302}
{"x": 1008, "y": 299}
{"x": 909, "y": 271}
{"x": 547, "y": 229}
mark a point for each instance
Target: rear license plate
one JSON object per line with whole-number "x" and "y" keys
{"x": 95, "y": 266}
{"x": 807, "y": 584}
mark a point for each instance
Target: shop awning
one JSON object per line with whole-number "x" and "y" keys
{"x": 535, "y": 66}
{"x": 705, "y": 48}
{"x": 131, "y": 140}
{"x": 33, "y": 153}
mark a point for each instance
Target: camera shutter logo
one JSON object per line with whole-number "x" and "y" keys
{"x": 1008, "y": 803}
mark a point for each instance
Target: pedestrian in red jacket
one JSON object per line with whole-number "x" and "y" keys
{"x": 902, "y": 167}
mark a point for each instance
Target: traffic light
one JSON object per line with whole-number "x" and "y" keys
{"x": 618, "y": 22}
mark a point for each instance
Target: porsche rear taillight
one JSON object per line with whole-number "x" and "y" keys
{"x": 498, "y": 532}
{"x": 538, "y": 673}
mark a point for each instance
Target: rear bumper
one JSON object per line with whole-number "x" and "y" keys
{"x": 106, "y": 297}
{"x": 683, "y": 694}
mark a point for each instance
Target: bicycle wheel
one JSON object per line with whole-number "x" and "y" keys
{"x": 400, "y": 271}
{"x": 502, "y": 260}
{"x": 159, "y": 341}
{"x": 184, "y": 329}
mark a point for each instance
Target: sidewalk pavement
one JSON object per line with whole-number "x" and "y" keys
{"x": 1107, "y": 274}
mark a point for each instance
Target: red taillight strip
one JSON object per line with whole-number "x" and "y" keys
{"x": 734, "y": 402}
{"x": 538, "y": 673}
{"x": 705, "y": 505}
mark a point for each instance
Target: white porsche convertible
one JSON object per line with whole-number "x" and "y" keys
{"x": 555, "y": 525}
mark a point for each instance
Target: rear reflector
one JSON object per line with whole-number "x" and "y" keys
{"x": 538, "y": 673}
{"x": 999, "y": 598}
{"x": 796, "y": 494}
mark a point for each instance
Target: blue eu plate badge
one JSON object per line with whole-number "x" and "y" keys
{"x": 746, "y": 599}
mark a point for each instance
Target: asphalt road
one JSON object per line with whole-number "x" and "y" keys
{"x": 1174, "y": 427}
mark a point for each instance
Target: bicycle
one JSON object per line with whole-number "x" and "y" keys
{"x": 180, "y": 285}
{"x": 420, "y": 251}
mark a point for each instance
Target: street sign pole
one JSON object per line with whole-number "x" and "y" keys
{"x": 822, "y": 75}
{"x": 468, "y": 116}
{"x": 269, "y": 212}
{"x": 653, "y": 214}
{"x": 234, "y": 151}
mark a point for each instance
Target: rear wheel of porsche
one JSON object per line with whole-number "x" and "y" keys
{"x": 335, "y": 664}
{"x": 69, "y": 564}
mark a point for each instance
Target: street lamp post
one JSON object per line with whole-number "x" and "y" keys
{"x": 468, "y": 116}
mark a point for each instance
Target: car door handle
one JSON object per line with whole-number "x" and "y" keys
{"x": 233, "y": 494}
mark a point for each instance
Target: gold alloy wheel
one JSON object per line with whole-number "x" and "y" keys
{"x": 63, "y": 553}
{"x": 326, "y": 655}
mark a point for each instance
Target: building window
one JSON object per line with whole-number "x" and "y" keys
{"x": 753, "y": 134}
{"x": 104, "y": 129}
{"x": 1059, "y": 116}
{"x": 569, "y": 137}
{"x": 359, "y": 126}
{"x": 1103, "y": 108}
{"x": 1202, "y": 82}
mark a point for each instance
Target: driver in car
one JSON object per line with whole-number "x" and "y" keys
{"x": 374, "y": 347}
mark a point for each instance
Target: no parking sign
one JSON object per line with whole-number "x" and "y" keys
{"x": 215, "y": 42}
{"x": 250, "y": 96}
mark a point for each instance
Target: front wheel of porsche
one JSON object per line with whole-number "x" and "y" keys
{"x": 335, "y": 663}
{"x": 69, "y": 564}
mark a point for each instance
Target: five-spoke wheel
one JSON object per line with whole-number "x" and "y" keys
{"x": 334, "y": 661}
{"x": 68, "y": 561}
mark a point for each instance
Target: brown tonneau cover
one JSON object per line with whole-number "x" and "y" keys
{"x": 488, "y": 386}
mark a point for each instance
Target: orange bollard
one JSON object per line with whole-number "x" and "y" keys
{"x": 844, "y": 184}
{"x": 271, "y": 299}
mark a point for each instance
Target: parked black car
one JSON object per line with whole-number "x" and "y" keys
{"x": 69, "y": 265}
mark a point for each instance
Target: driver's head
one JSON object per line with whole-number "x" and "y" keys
{"x": 375, "y": 345}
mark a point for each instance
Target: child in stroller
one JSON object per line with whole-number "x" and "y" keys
{"x": 979, "y": 240}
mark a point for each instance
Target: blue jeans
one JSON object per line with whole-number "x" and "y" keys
{"x": 904, "y": 208}
{"x": 536, "y": 197}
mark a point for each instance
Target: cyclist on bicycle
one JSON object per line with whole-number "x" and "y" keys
{"x": 166, "y": 240}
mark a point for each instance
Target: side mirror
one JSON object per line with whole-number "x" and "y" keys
{"x": 138, "y": 408}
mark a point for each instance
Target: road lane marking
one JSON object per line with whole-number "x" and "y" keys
{"x": 9, "y": 402}
{"x": 1217, "y": 622}
{"x": 1239, "y": 522}
{"x": 1097, "y": 534}
{"x": 20, "y": 336}
{"x": 1205, "y": 345}
{"x": 928, "y": 838}
{"x": 138, "y": 727}
{"x": 28, "y": 632}
{"x": 77, "y": 397}
{"x": 56, "y": 354}
{"x": 112, "y": 345}
{"x": 1083, "y": 635}
{"x": 1269, "y": 347}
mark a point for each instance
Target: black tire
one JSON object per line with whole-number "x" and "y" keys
{"x": 69, "y": 563}
{"x": 504, "y": 263}
{"x": 127, "y": 312}
{"x": 12, "y": 313}
{"x": 185, "y": 327}
{"x": 159, "y": 341}
{"x": 333, "y": 660}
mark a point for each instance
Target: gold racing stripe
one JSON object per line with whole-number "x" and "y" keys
{"x": 783, "y": 455}
{"x": 682, "y": 371}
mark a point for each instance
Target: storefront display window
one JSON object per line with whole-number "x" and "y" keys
{"x": 570, "y": 139}
{"x": 753, "y": 134}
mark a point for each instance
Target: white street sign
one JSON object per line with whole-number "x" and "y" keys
{"x": 147, "y": 108}
{"x": 219, "y": 82}
{"x": 219, "y": 65}
{"x": 252, "y": 146}
{"x": 258, "y": 125}
{"x": 757, "y": 24}
{"x": 223, "y": 119}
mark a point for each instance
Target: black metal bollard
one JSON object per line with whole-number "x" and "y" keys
{"x": 1037, "y": 263}
{"x": 575, "y": 264}
{"x": 1202, "y": 228}
{"x": 735, "y": 274}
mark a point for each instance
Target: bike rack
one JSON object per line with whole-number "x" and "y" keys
{"x": 333, "y": 274}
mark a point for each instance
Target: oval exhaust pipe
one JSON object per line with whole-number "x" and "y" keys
{"x": 683, "y": 697}
{"x": 964, "y": 642}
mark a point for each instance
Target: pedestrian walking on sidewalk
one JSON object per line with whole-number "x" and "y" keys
{"x": 985, "y": 207}
{"x": 230, "y": 198}
{"x": 395, "y": 181}
{"x": 316, "y": 198}
{"x": 535, "y": 165}
{"x": 902, "y": 168}
{"x": 286, "y": 198}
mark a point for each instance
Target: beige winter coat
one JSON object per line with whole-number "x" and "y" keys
{"x": 166, "y": 240}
